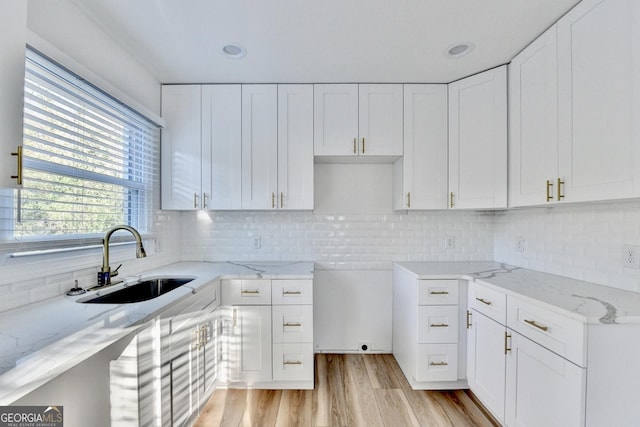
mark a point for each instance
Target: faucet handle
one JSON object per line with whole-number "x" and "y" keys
{"x": 115, "y": 272}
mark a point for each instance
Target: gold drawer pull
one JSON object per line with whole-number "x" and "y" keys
{"x": 355, "y": 150}
{"x": 536, "y": 325}
{"x": 439, "y": 325}
{"x": 291, "y": 293}
{"x": 251, "y": 292}
{"x": 549, "y": 195}
{"x": 439, "y": 292}
{"x": 469, "y": 319}
{"x": 363, "y": 146}
{"x": 292, "y": 362}
{"x": 438, "y": 364}
{"x": 409, "y": 199}
{"x": 19, "y": 154}
{"x": 292, "y": 324}
{"x": 507, "y": 337}
{"x": 560, "y": 195}
{"x": 451, "y": 203}
{"x": 484, "y": 301}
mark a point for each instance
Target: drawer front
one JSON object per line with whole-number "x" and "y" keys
{"x": 292, "y": 323}
{"x": 437, "y": 292}
{"x": 292, "y": 291}
{"x": 490, "y": 302}
{"x": 293, "y": 362}
{"x": 246, "y": 292}
{"x": 552, "y": 330}
{"x": 437, "y": 362}
{"x": 438, "y": 324}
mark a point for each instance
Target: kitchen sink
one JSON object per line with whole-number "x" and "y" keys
{"x": 141, "y": 291}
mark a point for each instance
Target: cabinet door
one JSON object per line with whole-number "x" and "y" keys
{"x": 335, "y": 120}
{"x": 478, "y": 141}
{"x": 380, "y": 119}
{"x": 486, "y": 363}
{"x": 543, "y": 389}
{"x": 249, "y": 344}
{"x": 533, "y": 122}
{"x": 420, "y": 177}
{"x": 295, "y": 146}
{"x": 181, "y": 147}
{"x": 222, "y": 147}
{"x": 599, "y": 96}
{"x": 13, "y": 22}
{"x": 259, "y": 146}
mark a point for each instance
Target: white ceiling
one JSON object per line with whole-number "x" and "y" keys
{"x": 322, "y": 40}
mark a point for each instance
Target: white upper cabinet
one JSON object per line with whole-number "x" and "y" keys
{"x": 222, "y": 144}
{"x": 533, "y": 122}
{"x": 182, "y": 147}
{"x": 295, "y": 147}
{"x": 478, "y": 141}
{"x": 13, "y": 21}
{"x": 420, "y": 176}
{"x": 358, "y": 120}
{"x": 259, "y": 146}
{"x": 599, "y": 100}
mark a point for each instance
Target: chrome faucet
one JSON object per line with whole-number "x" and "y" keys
{"x": 105, "y": 274}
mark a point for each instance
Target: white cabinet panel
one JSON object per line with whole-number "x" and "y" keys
{"x": 13, "y": 21}
{"x": 293, "y": 362}
{"x": 438, "y": 324}
{"x": 295, "y": 147}
{"x": 380, "y": 119}
{"x": 292, "y": 323}
{"x": 249, "y": 344}
{"x": 291, "y": 291}
{"x": 437, "y": 362}
{"x": 438, "y": 292}
{"x": 246, "y": 291}
{"x": 599, "y": 100}
{"x": 478, "y": 141}
{"x": 335, "y": 119}
{"x": 259, "y": 146}
{"x": 420, "y": 176}
{"x": 222, "y": 147}
{"x": 542, "y": 388}
{"x": 533, "y": 122}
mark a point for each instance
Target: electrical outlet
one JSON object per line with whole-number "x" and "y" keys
{"x": 630, "y": 256}
{"x": 450, "y": 242}
{"x": 257, "y": 242}
{"x": 520, "y": 244}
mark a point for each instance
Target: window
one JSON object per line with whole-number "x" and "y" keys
{"x": 90, "y": 162}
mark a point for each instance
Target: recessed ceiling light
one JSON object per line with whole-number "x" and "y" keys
{"x": 460, "y": 49}
{"x": 234, "y": 51}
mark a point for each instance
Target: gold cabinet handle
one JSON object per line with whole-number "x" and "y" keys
{"x": 363, "y": 146}
{"x": 195, "y": 200}
{"x": 273, "y": 200}
{"x": 281, "y": 200}
{"x": 291, "y": 293}
{"x": 255, "y": 292}
{"x": 204, "y": 200}
{"x": 355, "y": 146}
{"x": 560, "y": 195}
{"x": 469, "y": 319}
{"x": 451, "y": 204}
{"x": 549, "y": 186}
{"x": 438, "y": 364}
{"x": 536, "y": 325}
{"x": 297, "y": 324}
{"x": 439, "y": 325}
{"x": 484, "y": 301}
{"x": 293, "y": 362}
{"x": 409, "y": 199}
{"x": 507, "y": 336}
{"x": 439, "y": 292}
{"x": 18, "y": 177}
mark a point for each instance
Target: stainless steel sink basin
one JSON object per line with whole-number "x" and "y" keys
{"x": 141, "y": 291}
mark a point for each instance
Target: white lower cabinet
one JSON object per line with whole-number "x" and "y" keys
{"x": 248, "y": 344}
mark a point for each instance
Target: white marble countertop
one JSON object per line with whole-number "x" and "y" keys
{"x": 584, "y": 301}
{"x": 42, "y": 340}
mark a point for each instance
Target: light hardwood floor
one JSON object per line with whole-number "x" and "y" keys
{"x": 350, "y": 390}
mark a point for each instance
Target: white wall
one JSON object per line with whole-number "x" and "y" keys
{"x": 579, "y": 241}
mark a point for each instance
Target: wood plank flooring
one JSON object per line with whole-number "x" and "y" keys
{"x": 351, "y": 390}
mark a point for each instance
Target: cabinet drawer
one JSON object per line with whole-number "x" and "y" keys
{"x": 292, "y": 323}
{"x": 555, "y": 331}
{"x": 490, "y": 302}
{"x": 437, "y": 362}
{"x": 293, "y": 362}
{"x": 438, "y": 324}
{"x": 437, "y": 292}
{"x": 292, "y": 291}
{"x": 246, "y": 292}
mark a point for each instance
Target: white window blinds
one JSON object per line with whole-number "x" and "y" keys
{"x": 90, "y": 162}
